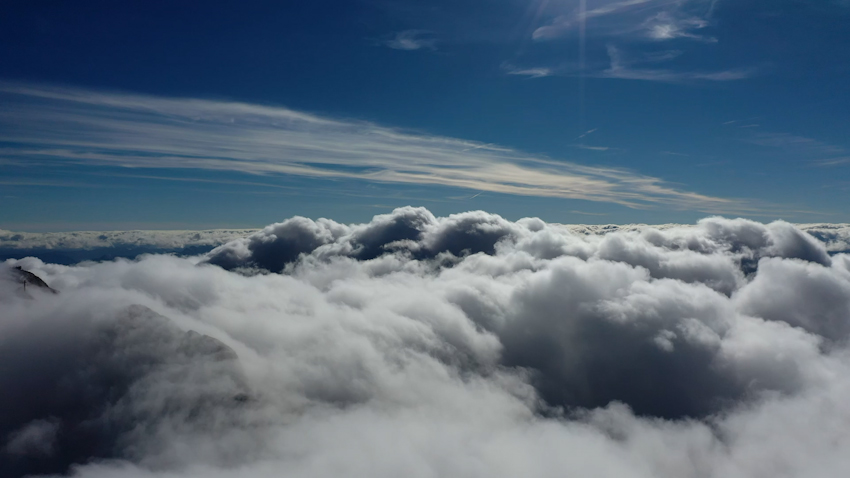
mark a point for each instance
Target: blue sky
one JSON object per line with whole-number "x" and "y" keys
{"x": 144, "y": 114}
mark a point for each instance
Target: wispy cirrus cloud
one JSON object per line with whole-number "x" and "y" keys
{"x": 819, "y": 152}
{"x": 564, "y": 23}
{"x": 641, "y": 25}
{"x": 536, "y": 72}
{"x": 628, "y": 70}
{"x": 592, "y": 148}
{"x": 644, "y": 67}
{"x": 648, "y": 19}
{"x": 667, "y": 26}
{"x": 412, "y": 40}
{"x": 811, "y": 150}
{"x": 588, "y": 132}
{"x": 834, "y": 161}
{"x": 43, "y": 125}
{"x": 786, "y": 141}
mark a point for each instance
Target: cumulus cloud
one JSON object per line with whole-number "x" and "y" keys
{"x": 437, "y": 346}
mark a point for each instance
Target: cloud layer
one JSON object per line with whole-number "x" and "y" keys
{"x": 73, "y": 247}
{"x": 426, "y": 346}
{"x": 109, "y": 239}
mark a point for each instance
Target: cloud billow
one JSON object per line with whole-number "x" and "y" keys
{"x": 424, "y": 345}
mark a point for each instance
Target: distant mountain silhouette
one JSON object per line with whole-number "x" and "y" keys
{"x": 28, "y": 281}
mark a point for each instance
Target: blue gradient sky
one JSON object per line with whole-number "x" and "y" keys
{"x": 140, "y": 114}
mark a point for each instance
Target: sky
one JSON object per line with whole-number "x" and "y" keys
{"x": 176, "y": 115}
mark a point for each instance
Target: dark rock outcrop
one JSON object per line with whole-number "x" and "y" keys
{"x": 26, "y": 280}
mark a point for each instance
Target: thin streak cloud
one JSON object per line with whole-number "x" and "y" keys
{"x": 621, "y": 69}
{"x": 592, "y": 148}
{"x": 76, "y": 126}
{"x": 539, "y": 72}
{"x": 564, "y": 23}
{"x": 834, "y": 161}
{"x": 648, "y": 19}
{"x": 412, "y": 40}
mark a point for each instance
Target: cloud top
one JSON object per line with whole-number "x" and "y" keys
{"x": 423, "y": 345}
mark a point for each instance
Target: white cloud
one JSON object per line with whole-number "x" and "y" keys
{"x": 564, "y": 23}
{"x": 625, "y": 70}
{"x": 666, "y": 26}
{"x": 101, "y": 239}
{"x": 412, "y": 40}
{"x": 798, "y": 144}
{"x": 92, "y": 128}
{"x": 588, "y": 132}
{"x": 650, "y": 19}
{"x": 529, "y": 72}
{"x": 430, "y": 346}
{"x": 636, "y": 23}
{"x": 834, "y": 161}
{"x": 633, "y": 68}
{"x": 592, "y": 148}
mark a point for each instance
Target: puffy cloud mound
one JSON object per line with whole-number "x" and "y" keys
{"x": 424, "y": 346}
